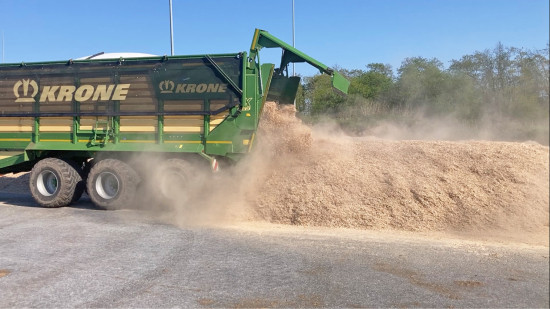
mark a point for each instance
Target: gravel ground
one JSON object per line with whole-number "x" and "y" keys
{"x": 80, "y": 256}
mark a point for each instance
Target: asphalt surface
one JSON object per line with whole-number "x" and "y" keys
{"x": 84, "y": 257}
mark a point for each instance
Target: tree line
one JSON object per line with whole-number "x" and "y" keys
{"x": 505, "y": 88}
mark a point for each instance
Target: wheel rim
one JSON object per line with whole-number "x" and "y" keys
{"x": 47, "y": 183}
{"x": 171, "y": 183}
{"x": 107, "y": 185}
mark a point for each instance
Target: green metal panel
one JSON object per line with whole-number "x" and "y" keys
{"x": 14, "y": 140}
{"x": 283, "y": 89}
{"x": 9, "y": 158}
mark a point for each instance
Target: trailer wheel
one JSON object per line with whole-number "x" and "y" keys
{"x": 112, "y": 184}
{"x": 172, "y": 181}
{"x": 55, "y": 182}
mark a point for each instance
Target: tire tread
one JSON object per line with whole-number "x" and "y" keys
{"x": 68, "y": 183}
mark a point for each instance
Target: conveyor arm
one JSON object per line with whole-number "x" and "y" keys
{"x": 290, "y": 55}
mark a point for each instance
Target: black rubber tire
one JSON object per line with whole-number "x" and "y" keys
{"x": 112, "y": 184}
{"x": 55, "y": 182}
{"x": 174, "y": 180}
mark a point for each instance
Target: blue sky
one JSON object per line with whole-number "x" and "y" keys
{"x": 347, "y": 33}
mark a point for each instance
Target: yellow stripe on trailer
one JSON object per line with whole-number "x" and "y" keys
{"x": 138, "y": 141}
{"x": 15, "y": 139}
{"x": 219, "y": 142}
{"x": 255, "y": 39}
{"x": 198, "y": 142}
{"x": 21, "y": 128}
{"x": 182, "y": 142}
{"x": 56, "y": 140}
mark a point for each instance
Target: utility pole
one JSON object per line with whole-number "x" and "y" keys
{"x": 293, "y": 45}
{"x": 171, "y": 31}
{"x": 3, "y": 46}
{"x": 293, "y": 39}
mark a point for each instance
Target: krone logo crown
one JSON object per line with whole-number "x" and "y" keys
{"x": 166, "y": 86}
{"x": 27, "y": 97}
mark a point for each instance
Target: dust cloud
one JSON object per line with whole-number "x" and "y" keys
{"x": 229, "y": 196}
{"x": 450, "y": 128}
